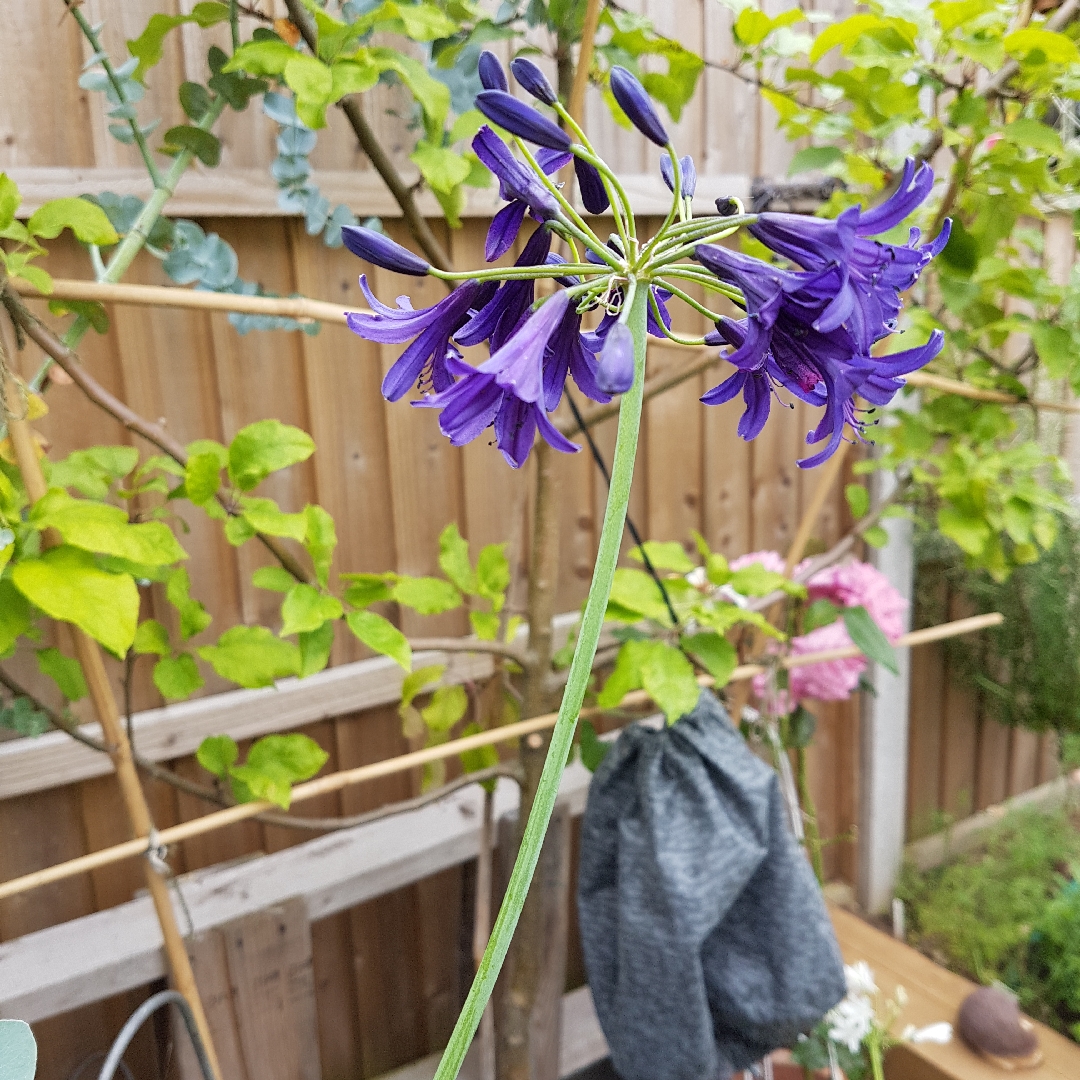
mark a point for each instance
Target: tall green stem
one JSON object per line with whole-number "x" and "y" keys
{"x": 562, "y": 737}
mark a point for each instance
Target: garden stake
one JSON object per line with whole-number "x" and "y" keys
{"x": 89, "y": 656}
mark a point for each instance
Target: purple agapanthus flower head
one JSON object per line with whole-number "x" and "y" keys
{"x": 873, "y": 273}
{"x": 424, "y": 362}
{"x": 781, "y": 343}
{"x": 506, "y": 391}
{"x": 520, "y": 185}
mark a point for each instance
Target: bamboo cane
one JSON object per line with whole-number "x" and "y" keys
{"x": 97, "y": 681}
{"x": 391, "y": 766}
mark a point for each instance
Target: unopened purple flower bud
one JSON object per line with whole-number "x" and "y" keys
{"x": 533, "y": 80}
{"x": 635, "y": 102}
{"x": 687, "y": 175}
{"x": 379, "y": 249}
{"x": 492, "y": 76}
{"x": 593, "y": 194}
{"x": 727, "y": 206}
{"x": 615, "y": 369}
{"x": 521, "y": 120}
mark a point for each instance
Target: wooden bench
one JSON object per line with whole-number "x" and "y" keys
{"x": 935, "y": 994}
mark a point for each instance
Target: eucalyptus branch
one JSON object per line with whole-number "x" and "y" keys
{"x": 69, "y": 362}
{"x": 106, "y": 64}
{"x": 369, "y": 143}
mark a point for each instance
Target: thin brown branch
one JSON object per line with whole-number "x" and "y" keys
{"x": 369, "y": 143}
{"x": 576, "y": 104}
{"x": 155, "y": 434}
{"x": 468, "y": 645}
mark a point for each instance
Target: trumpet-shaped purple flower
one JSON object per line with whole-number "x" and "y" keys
{"x": 379, "y": 249}
{"x": 780, "y": 343}
{"x": 638, "y": 106}
{"x": 873, "y": 273}
{"x": 521, "y": 120}
{"x": 566, "y": 352}
{"x": 520, "y": 185}
{"x": 506, "y": 391}
{"x": 492, "y": 76}
{"x": 424, "y": 362}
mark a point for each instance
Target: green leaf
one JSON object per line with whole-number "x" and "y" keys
{"x": 755, "y": 580}
{"x": 151, "y": 637}
{"x": 814, "y": 158}
{"x": 1057, "y": 48}
{"x": 970, "y": 531}
{"x": 194, "y": 618}
{"x": 442, "y": 168}
{"x": 481, "y": 757}
{"x": 664, "y": 555}
{"x": 148, "y": 45}
{"x": 320, "y": 539}
{"x": 202, "y": 477}
{"x": 454, "y": 559}
{"x": 638, "y": 596}
{"x": 427, "y": 595}
{"x": 266, "y": 447}
{"x": 313, "y": 83}
{"x": 953, "y": 15}
{"x": 858, "y": 499}
{"x": 14, "y": 616}
{"x": 217, "y": 753}
{"x": 25, "y": 719}
{"x": 67, "y": 585}
{"x": 177, "y": 677}
{"x": 381, "y": 635}
{"x": 800, "y": 728}
{"x": 86, "y": 220}
{"x": 669, "y": 679}
{"x": 876, "y": 536}
{"x": 1034, "y": 134}
{"x": 820, "y": 613}
{"x": 252, "y": 656}
{"x": 350, "y": 77}
{"x": 195, "y": 100}
{"x": 9, "y": 200}
{"x": 94, "y": 313}
{"x": 1056, "y": 348}
{"x": 493, "y": 575}
{"x": 315, "y": 646}
{"x": 305, "y": 609}
{"x": 416, "y": 680}
{"x": 95, "y": 526}
{"x": 202, "y": 144}
{"x": 238, "y": 531}
{"x": 715, "y": 654}
{"x": 276, "y": 762}
{"x": 267, "y": 56}
{"x": 867, "y": 635}
{"x": 593, "y": 750}
{"x": 431, "y": 95}
{"x": 263, "y": 515}
{"x": 65, "y": 671}
{"x": 447, "y": 707}
{"x": 365, "y": 589}
{"x": 18, "y": 1051}
{"x": 485, "y": 624}
{"x": 275, "y": 578}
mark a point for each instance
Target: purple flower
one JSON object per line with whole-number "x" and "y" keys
{"x": 506, "y": 391}
{"x": 635, "y": 102}
{"x": 500, "y": 316}
{"x": 492, "y": 76}
{"x": 521, "y": 120}
{"x": 594, "y": 196}
{"x": 518, "y": 184}
{"x": 425, "y": 361}
{"x": 566, "y": 352}
{"x": 615, "y": 372}
{"x": 687, "y": 175}
{"x": 873, "y": 273}
{"x": 379, "y": 249}
{"x": 533, "y": 80}
{"x": 780, "y": 343}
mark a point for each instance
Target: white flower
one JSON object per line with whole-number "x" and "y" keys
{"x": 940, "y": 1033}
{"x": 697, "y": 577}
{"x": 851, "y": 1021}
{"x": 860, "y": 979}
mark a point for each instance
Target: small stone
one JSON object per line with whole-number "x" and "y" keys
{"x": 991, "y": 1023}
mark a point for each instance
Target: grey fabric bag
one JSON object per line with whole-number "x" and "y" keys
{"x": 706, "y": 938}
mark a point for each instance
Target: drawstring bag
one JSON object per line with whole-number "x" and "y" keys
{"x": 706, "y": 938}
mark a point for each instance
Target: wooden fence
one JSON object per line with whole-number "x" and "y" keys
{"x": 389, "y": 974}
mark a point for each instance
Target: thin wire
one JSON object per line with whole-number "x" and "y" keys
{"x": 631, "y": 528}
{"x": 136, "y": 1021}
